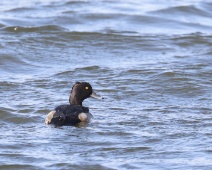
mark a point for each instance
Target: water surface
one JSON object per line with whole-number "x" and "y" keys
{"x": 151, "y": 60}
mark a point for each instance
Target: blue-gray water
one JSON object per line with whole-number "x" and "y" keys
{"x": 150, "y": 59}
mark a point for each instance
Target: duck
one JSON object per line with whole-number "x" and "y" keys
{"x": 74, "y": 112}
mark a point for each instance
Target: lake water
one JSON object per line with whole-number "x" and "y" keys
{"x": 150, "y": 59}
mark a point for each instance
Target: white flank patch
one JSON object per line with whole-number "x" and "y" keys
{"x": 49, "y": 117}
{"x": 83, "y": 117}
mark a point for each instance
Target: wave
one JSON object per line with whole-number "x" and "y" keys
{"x": 49, "y": 28}
{"x": 117, "y": 17}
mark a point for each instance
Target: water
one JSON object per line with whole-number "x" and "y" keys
{"x": 151, "y": 60}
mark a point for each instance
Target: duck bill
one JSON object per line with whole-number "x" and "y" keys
{"x": 96, "y": 96}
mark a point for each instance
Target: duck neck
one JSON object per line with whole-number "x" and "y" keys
{"x": 75, "y": 101}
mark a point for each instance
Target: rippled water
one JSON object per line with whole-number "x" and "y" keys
{"x": 151, "y": 60}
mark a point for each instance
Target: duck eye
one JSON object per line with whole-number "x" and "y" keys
{"x": 86, "y": 88}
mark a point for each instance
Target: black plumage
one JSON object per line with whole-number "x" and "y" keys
{"x": 74, "y": 112}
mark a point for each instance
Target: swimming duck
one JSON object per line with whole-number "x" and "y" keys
{"x": 74, "y": 112}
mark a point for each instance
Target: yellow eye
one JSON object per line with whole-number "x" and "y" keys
{"x": 86, "y": 88}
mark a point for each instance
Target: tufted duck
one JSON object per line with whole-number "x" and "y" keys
{"x": 74, "y": 112}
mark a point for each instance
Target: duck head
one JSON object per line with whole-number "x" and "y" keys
{"x": 81, "y": 91}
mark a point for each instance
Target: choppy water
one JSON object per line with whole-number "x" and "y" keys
{"x": 150, "y": 59}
